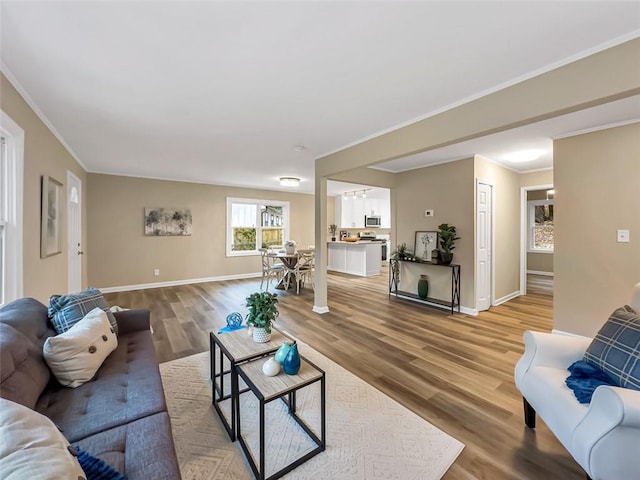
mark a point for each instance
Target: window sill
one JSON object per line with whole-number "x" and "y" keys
{"x": 539, "y": 251}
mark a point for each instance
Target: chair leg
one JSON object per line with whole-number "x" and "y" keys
{"x": 529, "y": 414}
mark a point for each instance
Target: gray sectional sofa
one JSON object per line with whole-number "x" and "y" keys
{"x": 119, "y": 416}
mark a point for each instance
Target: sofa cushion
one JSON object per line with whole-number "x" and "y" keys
{"x": 76, "y": 355}
{"x": 29, "y": 317}
{"x": 67, "y": 310}
{"x": 127, "y": 387}
{"x": 23, "y": 371}
{"x": 32, "y": 447}
{"x": 616, "y": 348}
{"x": 140, "y": 450}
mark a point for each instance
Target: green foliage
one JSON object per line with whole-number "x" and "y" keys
{"x": 447, "y": 237}
{"x": 401, "y": 252}
{"x": 244, "y": 239}
{"x": 262, "y": 310}
{"x": 332, "y": 229}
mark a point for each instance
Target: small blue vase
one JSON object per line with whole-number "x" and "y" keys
{"x": 291, "y": 364}
{"x": 281, "y": 354}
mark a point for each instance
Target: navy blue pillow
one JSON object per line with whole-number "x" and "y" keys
{"x": 96, "y": 469}
{"x": 67, "y": 310}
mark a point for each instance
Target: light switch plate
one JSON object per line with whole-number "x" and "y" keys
{"x": 156, "y": 272}
{"x": 428, "y": 213}
{"x": 623, "y": 236}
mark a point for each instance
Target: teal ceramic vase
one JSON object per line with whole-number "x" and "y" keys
{"x": 291, "y": 364}
{"x": 281, "y": 354}
{"x": 423, "y": 286}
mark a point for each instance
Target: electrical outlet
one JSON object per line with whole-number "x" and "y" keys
{"x": 623, "y": 236}
{"x": 156, "y": 272}
{"x": 428, "y": 213}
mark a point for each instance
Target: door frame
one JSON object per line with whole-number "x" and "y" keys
{"x": 524, "y": 231}
{"x": 72, "y": 250}
{"x": 492, "y": 230}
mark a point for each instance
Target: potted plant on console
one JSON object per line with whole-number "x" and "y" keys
{"x": 262, "y": 313}
{"x": 448, "y": 239}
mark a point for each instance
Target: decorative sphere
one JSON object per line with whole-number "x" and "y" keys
{"x": 271, "y": 367}
{"x": 234, "y": 319}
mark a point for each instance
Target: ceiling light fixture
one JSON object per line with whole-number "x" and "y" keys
{"x": 299, "y": 148}
{"x": 289, "y": 181}
{"x": 354, "y": 193}
{"x": 524, "y": 156}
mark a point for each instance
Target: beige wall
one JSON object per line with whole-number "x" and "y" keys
{"x": 531, "y": 179}
{"x": 120, "y": 254}
{"x": 593, "y": 273}
{"x": 448, "y": 190}
{"x": 506, "y": 192}
{"x": 43, "y": 155}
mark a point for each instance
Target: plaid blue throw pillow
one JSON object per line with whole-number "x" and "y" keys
{"x": 67, "y": 310}
{"x": 616, "y": 348}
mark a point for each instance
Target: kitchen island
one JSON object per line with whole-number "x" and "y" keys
{"x": 361, "y": 258}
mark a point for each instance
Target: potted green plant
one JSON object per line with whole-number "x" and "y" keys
{"x": 447, "y": 234}
{"x": 332, "y": 229}
{"x": 262, "y": 313}
{"x": 402, "y": 252}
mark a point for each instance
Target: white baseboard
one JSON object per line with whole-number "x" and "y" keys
{"x": 173, "y": 283}
{"x": 506, "y": 298}
{"x": 537, "y": 272}
{"x": 568, "y": 334}
{"x": 317, "y": 309}
{"x": 469, "y": 311}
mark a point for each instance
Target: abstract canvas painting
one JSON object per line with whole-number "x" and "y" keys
{"x": 161, "y": 221}
{"x": 50, "y": 239}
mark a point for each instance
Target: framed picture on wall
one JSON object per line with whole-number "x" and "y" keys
{"x": 50, "y": 239}
{"x": 425, "y": 243}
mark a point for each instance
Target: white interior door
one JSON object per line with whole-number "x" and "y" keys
{"x": 74, "y": 232}
{"x": 483, "y": 251}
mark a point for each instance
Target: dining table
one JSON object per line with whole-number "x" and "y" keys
{"x": 289, "y": 260}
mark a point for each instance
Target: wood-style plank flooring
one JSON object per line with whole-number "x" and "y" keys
{"x": 455, "y": 371}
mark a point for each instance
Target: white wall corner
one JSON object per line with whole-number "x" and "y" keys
{"x": 317, "y": 309}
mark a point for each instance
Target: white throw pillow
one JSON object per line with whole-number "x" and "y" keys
{"x": 32, "y": 447}
{"x": 75, "y": 356}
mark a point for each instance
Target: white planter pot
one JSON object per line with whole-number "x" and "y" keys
{"x": 260, "y": 335}
{"x": 290, "y": 249}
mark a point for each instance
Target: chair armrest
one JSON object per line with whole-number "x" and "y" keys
{"x": 612, "y": 410}
{"x": 133, "y": 321}
{"x": 549, "y": 350}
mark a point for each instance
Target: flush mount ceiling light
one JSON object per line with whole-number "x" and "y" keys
{"x": 299, "y": 148}
{"x": 289, "y": 181}
{"x": 524, "y": 156}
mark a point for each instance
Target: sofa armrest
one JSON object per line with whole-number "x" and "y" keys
{"x": 613, "y": 414}
{"x": 549, "y": 350}
{"x": 133, "y": 321}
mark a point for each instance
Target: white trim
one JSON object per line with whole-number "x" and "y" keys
{"x": 531, "y": 204}
{"x": 524, "y": 229}
{"x": 14, "y": 258}
{"x": 567, "y": 334}
{"x": 16, "y": 84}
{"x": 320, "y": 310}
{"x": 540, "y": 251}
{"x": 468, "y": 311}
{"x": 173, "y": 283}
{"x": 535, "y": 73}
{"x": 257, "y": 202}
{"x": 539, "y": 272}
{"x": 72, "y": 250}
{"x": 598, "y": 128}
{"x": 545, "y": 169}
{"x": 506, "y": 298}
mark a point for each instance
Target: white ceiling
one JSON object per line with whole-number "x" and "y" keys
{"x": 221, "y": 92}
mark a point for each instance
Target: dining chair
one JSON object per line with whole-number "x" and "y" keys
{"x": 269, "y": 268}
{"x": 303, "y": 270}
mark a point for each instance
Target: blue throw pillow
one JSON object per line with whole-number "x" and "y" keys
{"x": 616, "y": 348}
{"x": 97, "y": 469}
{"x": 67, "y": 310}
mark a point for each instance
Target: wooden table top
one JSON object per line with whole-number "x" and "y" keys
{"x": 241, "y": 346}
{"x": 271, "y": 387}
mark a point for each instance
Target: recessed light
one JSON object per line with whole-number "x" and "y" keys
{"x": 289, "y": 181}
{"x": 299, "y": 148}
{"x": 524, "y": 156}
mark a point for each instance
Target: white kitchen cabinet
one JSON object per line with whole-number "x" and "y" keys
{"x": 356, "y": 258}
{"x": 350, "y": 212}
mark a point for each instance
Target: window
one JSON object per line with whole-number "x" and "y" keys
{"x": 11, "y": 174}
{"x": 541, "y": 226}
{"x": 254, "y": 224}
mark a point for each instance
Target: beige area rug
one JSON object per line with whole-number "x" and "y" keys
{"x": 369, "y": 435}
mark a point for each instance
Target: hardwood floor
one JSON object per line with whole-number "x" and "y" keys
{"x": 455, "y": 371}
{"x": 541, "y": 284}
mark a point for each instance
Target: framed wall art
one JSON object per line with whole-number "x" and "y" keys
{"x": 425, "y": 243}
{"x": 162, "y": 221}
{"x": 50, "y": 214}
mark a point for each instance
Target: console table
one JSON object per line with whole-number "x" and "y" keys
{"x": 394, "y": 283}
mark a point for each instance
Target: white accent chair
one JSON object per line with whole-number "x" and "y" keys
{"x": 603, "y": 436}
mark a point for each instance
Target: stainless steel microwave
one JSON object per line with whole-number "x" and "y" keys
{"x": 372, "y": 221}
